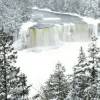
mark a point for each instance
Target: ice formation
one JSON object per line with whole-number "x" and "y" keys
{"x": 46, "y": 34}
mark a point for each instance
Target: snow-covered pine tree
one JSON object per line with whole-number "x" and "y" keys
{"x": 57, "y": 85}
{"x": 21, "y": 91}
{"x": 9, "y": 74}
{"x": 93, "y": 90}
{"x": 79, "y": 78}
{"x": 23, "y": 85}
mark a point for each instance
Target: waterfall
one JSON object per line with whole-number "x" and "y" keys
{"x": 44, "y": 35}
{"x": 65, "y": 31}
{"x": 38, "y": 35}
{"x": 68, "y": 30}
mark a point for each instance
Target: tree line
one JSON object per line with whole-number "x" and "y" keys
{"x": 83, "y": 84}
{"x": 13, "y": 83}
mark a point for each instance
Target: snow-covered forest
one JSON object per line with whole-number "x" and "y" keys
{"x": 14, "y": 13}
{"x": 49, "y": 50}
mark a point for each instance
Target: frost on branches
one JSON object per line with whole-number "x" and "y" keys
{"x": 13, "y": 84}
{"x": 79, "y": 77}
{"x": 86, "y": 78}
{"x": 93, "y": 91}
{"x": 57, "y": 85}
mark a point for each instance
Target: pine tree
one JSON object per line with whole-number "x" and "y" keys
{"x": 21, "y": 90}
{"x": 79, "y": 78}
{"x": 93, "y": 90}
{"x": 57, "y": 85}
{"x": 10, "y": 78}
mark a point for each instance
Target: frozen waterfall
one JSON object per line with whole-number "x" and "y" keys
{"x": 42, "y": 35}
{"x": 45, "y": 35}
